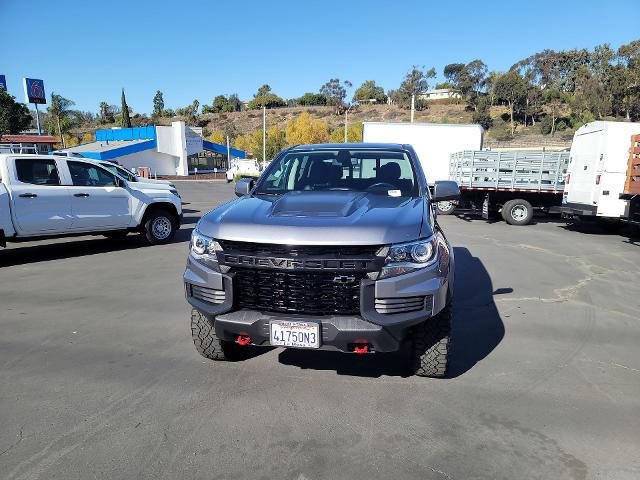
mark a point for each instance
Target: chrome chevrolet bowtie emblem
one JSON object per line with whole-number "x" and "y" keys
{"x": 343, "y": 279}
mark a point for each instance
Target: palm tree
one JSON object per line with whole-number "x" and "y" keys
{"x": 60, "y": 110}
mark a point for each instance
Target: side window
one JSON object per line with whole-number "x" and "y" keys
{"x": 87, "y": 175}
{"x": 38, "y": 171}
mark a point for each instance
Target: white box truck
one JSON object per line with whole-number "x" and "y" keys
{"x": 433, "y": 142}
{"x": 597, "y": 171}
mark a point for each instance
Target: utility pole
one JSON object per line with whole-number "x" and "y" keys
{"x": 228, "y": 154}
{"x": 413, "y": 107}
{"x": 264, "y": 135}
{"x": 346, "y": 120}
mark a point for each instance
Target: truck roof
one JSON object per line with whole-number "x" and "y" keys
{"x": 334, "y": 146}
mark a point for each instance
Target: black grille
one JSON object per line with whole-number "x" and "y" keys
{"x": 271, "y": 249}
{"x": 304, "y": 292}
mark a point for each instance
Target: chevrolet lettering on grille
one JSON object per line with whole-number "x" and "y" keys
{"x": 297, "y": 264}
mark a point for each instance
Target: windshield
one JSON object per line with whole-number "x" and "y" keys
{"x": 375, "y": 171}
{"x": 123, "y": 172}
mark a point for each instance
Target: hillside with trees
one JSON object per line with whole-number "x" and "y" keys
{"x": 541, "y": 100}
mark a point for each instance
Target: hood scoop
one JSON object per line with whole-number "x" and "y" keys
{"x": 317, "y": 204}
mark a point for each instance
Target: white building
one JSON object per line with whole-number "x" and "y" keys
{"x": 438, "y": 94}
{"x": 174, "y": 150}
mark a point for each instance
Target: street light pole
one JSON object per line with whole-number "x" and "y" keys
{"x": 413, "y": 106}
{"x": 346, "y": 121}
{"x": 264, "y": 135}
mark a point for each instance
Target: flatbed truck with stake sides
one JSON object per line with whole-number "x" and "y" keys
{"x": 512, "y": 183}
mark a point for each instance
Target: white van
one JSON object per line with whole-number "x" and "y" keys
{"x": 597, "y": 170}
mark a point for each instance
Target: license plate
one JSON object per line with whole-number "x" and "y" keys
{"x": 295, "y": 334}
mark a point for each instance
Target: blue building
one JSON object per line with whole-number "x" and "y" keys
{"x": 175, "y": 150}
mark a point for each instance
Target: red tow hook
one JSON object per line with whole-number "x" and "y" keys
{"x": 361, "y": 350}
{"x": 243, "y": 340}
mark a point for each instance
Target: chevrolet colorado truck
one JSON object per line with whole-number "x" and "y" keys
{"x": 44, "y": 196}
{"x": 335, "y": 246}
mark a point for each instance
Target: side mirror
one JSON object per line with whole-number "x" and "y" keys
{"x": 120, "y": 182}
{"x": 243, "y": 186}
{"x": 445, "y": 190}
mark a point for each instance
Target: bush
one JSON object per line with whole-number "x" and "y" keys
{"x": 501, "y": 131}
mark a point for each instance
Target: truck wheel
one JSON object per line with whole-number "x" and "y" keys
{"x": 431, "y": 344}
{"x": 160, "y": 227}
{"x": 445, "y": 208}
{"x": 207, "y": 342}
{"x": 517, "y": 212}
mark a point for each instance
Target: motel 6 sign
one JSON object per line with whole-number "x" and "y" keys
{"x": 34, "y": 91}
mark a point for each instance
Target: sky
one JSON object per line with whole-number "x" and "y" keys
{"x": 87, "y": 51}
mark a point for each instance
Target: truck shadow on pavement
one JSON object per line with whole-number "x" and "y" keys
{"x": 48, "y": 250}
{"x": 477, "y": 330}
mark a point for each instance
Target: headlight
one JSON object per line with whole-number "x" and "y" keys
{"x": 175, "y": 192}
{"x": 202, "y": 246}
{"x": 407, "y": 257}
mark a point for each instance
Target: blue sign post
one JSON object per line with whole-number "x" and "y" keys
{"x": 3, "y": 83}
{"x": 34, "y": 93}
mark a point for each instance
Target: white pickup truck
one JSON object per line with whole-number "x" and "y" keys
{"x": 43, "y": 196}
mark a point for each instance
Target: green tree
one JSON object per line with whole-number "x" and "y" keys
{"x": 415, "y": 82}
{"x": 190, "y": 113}
{"x": 270, "y": 100}
{"x": 158, "y": 104}
{"x": 14, "y": 116}
{"x": 469, "y": 79}
{"x": 125, "y": 120}
{"x": 312, "y": 99}
{"x": 369, "y": 91}
{"x": 234, "y": 102}
{"x": 106, "y": 114}
{"x": 554, "y": 101}
{"x": 511, "y": 88}
{"x": 335, "y": 92}
{"x": 481, "y": 114}
{"x": 60, "y": 111}
{"x": 263, "y": 90}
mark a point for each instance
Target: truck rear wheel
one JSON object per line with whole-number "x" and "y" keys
{"x": 207, "y": 342}
{"x": 160, "y": 227}
{"x": 517, "y": 212}
{"x": 445, "y": 208}
{"x": 431, "y": 344}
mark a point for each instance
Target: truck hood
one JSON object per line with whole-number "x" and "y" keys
{"x": 154, "y": 180}
{"x": 317, "y": 218}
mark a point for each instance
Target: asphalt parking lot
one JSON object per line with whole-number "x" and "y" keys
{"x": 99, "y": 377}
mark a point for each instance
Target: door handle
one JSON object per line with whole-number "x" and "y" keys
{"x": 28, "y": 195}
{"x": 80, "y": 194}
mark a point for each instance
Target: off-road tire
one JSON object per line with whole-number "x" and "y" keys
{"x": 451, "y": 206}
{"x": 510, "y": 209}
{"x": 207, "y": 342}
{"x": 431, "y": 345}
{"x": 117, "y": 235}
{"x": 151, "y": 233}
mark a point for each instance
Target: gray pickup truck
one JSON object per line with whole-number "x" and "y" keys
{"x": 336, "y": 247}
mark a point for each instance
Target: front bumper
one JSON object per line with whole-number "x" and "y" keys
{"x": 379, "y": 325}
